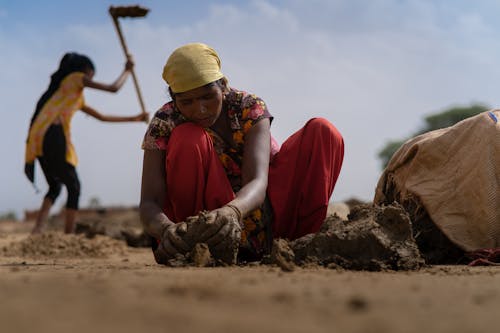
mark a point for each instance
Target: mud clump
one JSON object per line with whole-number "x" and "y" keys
{"x": 434, "y": 245}
{"x": 59, "y": 245}
{"x": 201, "y": 252}
{"x": 226, "y": 250}
{"x": 201, "y": 256}
{"x": 374, "y": 238}
{"x": 282, "y": 255}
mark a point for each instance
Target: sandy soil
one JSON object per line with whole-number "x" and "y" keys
{"x": 124, "y": 290}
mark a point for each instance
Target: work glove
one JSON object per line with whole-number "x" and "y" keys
{"x": 171, "y": 243}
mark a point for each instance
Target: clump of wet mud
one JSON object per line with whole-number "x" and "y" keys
{"x": 59, "y": 245}
{"x": 201, "y": 254}
{"x": 226, "y": 250}
{"x": 374, "y": 238}
{"x": 434, "y": 245}
{"x": 282, "y": 255}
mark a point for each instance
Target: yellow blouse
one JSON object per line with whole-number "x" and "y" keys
{"x": 62, "y": 105}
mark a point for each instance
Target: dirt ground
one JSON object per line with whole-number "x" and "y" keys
{"x": 121, "y": 289}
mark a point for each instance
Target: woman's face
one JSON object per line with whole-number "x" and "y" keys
{"x": 201, "y": 105}
{"x": 89, "y": 73}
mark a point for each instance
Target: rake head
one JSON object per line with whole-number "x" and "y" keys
{"x": 128, "y": 11}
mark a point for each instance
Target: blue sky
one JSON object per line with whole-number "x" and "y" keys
{"x": 374, "y": 68}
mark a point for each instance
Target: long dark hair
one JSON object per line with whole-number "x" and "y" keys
{"x": 70, "y": 62}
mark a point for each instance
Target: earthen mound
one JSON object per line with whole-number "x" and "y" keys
{"x": 59, "y": 245}
{"x": 374, "y": 238}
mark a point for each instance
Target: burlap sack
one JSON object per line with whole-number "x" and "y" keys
{"x": 454, "y": 175}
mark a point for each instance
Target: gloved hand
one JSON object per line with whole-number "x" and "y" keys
{"x": 221, "y": 224}
{"x": 171, "y": 243}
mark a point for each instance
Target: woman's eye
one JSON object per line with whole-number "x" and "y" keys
{"x": 185, "y": 102}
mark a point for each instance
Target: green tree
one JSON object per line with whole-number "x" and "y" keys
{"x": 8, "y": 216}
{"x": 94, "y": 203}
{"x": 443, "y": 119}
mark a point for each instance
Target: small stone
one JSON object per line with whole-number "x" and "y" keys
{"x": 200, "y": 255}
{"x": 282, "y": 255}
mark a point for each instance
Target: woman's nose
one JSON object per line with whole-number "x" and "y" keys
{"x": 202, "y": 108}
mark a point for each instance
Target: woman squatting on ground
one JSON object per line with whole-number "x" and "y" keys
{"x": 210, "y": 149}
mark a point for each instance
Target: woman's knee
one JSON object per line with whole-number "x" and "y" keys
{"x": 72, "y": 183}
{"x": 188, "y": 137}
{"x": 323, "y": 127}
{"x": 73, "y": 195}
{"x": 187, "y": 132}
{"x": 54, "y": 191}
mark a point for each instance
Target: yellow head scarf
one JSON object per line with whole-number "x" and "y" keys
{"x": 192, "y": 66}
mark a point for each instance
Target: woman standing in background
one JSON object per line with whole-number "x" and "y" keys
{"x": 49, "y": 137}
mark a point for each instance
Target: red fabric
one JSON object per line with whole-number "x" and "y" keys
{"x": 196, "y": 179}
{"x": 485, "y": 257}
{"x": 302, "y": 177}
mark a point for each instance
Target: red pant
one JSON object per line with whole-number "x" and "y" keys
{"x": 302, "y": 176}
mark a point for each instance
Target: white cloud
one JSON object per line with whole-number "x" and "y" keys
{"x": 372, "y": 68}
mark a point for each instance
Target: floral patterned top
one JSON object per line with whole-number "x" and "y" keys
{"x": 244, "y": 110}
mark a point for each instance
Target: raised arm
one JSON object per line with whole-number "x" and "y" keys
{"x": 114, "y": 119}
{"x": 113, "y": 87}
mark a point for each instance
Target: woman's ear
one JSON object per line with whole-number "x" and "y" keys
{"x": 89, "y": 73}
{"x": 171, "y": 93}
{"x": 224, "y": 84}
